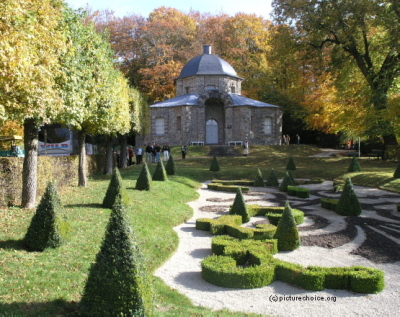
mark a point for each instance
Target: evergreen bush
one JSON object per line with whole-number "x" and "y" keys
{"x": 290, "y": 166}
{"x": 114, "y": 189}
{"x": 259, "y": 181}
{"x": 354, "y": 165}
{"x": 160, "y": 174}
{"x": 118, "y": 284}
{"x": 170, "y": 167}
{"x": 214, "y": 165}
{"x": 286, "y": 232}
{"x": 239, "y": 206}
{"x": 49, "y": 227}
{"x": 144, "y": 180}
{"x": 272, "y": 180}
{"x": 348, "y": 204}
{"x": 397, "y": 172}
{"x": 287, "y": 181}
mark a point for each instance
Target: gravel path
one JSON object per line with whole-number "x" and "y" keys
{"x": 327, "y": 240}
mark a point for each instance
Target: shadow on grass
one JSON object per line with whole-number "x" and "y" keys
{"x": 11, "y": 244}
{"x": 58, "y": 307}
{"x": 84, "y": 205}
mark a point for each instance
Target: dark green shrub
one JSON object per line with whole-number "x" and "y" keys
{"x": 354, "y": 165}
{"x": 239, "y": 206}
{"x": 290, "y": 166}
{"x": 264, "y": 231}
{"x": 299, "y": 192}
{"x": 160, "y": 174}
{"x": 337, "y": 278}
{"x": 397, "y": 172}
{"x": 114, "y": 189}
{"x": 287, "y": 181}
{"x": 313, "y": 279}
{"x": 348, "y": 204}
{"x": 272, "y": 180}
{"x": 118, "y": 284}
{"x": 239, "y": 232}
{"x": 49, "y": 227}
{"x": 170, "y": 167}
{"x": 286, "y": 232}
{"x": 214, "y": 165}
{"x": 203, "y": 224}
{"x": 217, "y": 226}
{"x": 259, "y": 181}
{"x": 144, "y": 180}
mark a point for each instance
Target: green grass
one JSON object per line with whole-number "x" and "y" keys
{"x": 50, "y": 283}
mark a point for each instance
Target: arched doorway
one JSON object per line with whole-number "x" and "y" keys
{"x": 211, "y": 132}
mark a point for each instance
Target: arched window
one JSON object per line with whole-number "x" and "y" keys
{"x": 268, "y": 125}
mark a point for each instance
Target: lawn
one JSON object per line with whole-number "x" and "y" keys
{"x": 50, "y": 283}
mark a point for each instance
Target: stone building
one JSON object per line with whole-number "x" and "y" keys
{"x": 209, "y": 109}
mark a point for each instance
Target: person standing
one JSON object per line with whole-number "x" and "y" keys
{"x": 139, "y": 154}
{"x": 149, "y": 151}
{"x": 130, "y": 156}
{"x": 297, "y": 139}
{"x": 283, "y": 139}
{"x": 246, "y": 148}
{"x": 183, "y": 151}
{"x": 157, "y": 149}
{"x": 287, "y": 139}
{"x": 166, "y": 151}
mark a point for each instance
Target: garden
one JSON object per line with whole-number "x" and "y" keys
{"x": 52, "y": 282}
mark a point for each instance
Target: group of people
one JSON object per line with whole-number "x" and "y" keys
{"x": 154, "y": 150}
{"x": 286, "y": 139}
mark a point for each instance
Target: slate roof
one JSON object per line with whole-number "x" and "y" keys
{"x": 192, "y": 100}
{"x": 207, "y": 64}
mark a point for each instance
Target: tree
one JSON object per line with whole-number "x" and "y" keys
{"x": 118, "y": 283}
{"x": 360, "y": 34}
{"x": 272, "y": 180}
{"x": 31, "y": 41}
{"x": 259, "y": 181}
{"x": 48, "y": 227}
{"x": 95, "y": 94}
{"x": 354, "y": 165}
{"x": 115, "y": 189}
{"x": 160, "y": 174}
{"x": 291, "y": 165}
{"x": 170, "y": 167}
{"x": 239, "y": 206}
{"x": 348, "y": 204}
{"x": 286, "y": 231}
{"x": 214, "y": 167}
{"x": 144, "y": 180}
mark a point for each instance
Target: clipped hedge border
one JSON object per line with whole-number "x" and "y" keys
{"x": 299, "y": 192}
{"x": 231, "y": 225}
{"x": 338, "y": 184}
{"x": 226, "y": 188}
{"x": 227, "y": 268}
{"x": 329, "y": 203}
{"x": 240, "y": 182}
{"x": 274, "y": 214}
{"x": 315, "y": 180}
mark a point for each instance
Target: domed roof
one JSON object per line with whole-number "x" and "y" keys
{"x": 207, "y": 64}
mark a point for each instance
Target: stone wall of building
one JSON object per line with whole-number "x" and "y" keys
{"x": 199, "y": 84}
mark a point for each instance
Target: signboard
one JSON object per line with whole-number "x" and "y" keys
{"x": 55, "y": 149}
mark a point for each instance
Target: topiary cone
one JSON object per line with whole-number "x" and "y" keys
{"x": 239, "y": 206}
{"x": 272, "y": 179}
{"x": 118, "y": 284}
{"x": 286, "y": 233}
{"x": 291, "y": 165}
{"x": 348, "y": 204}
{"x": 160, "y": 174}
{"x": 354, "y": 165}
{"x": 144, "y": 180}
{"x": 49, "y": 227}
{"x": 259, "y": 181}
{"x": 115, "y": 187}
{"x": 214, "y": 165}
{"x": 170, "y": 167}
{"x": 287, "y": 181}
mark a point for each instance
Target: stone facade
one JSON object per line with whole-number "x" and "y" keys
{"x": 209, "y": 109}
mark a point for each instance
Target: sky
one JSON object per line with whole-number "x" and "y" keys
{"x": 144, "y": 7}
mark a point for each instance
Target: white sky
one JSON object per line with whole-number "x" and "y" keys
{"x": 144, "y": 7}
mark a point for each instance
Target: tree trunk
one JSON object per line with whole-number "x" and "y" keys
{"x": 122, "y": 157}
{"x": 82, "y": 180}
{"x": 108, "y": 167}
{"x": 29, "y": 172}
